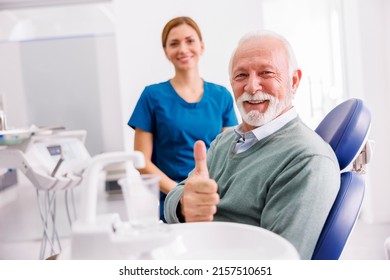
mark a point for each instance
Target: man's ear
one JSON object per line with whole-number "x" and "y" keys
{"x": 296, "y": 78}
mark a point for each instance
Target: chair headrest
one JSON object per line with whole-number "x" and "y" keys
{"x": 346, "y": 129}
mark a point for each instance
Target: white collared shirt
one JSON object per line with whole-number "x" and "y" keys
{"x": 248, "y": 139}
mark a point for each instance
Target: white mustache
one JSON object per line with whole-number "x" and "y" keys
{"x": 259, "y": 97}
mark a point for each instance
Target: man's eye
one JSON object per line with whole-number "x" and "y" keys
{"x": 267, "y": 73}
{"x": 240, "y": 76}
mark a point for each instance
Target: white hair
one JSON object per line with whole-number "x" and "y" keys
{"x": 292, "y": 61}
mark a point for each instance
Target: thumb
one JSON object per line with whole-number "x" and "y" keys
{"x": 200, "y": 159}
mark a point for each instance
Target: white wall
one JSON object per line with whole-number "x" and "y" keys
{"x": 11, "y": 84}
{"x": 71, "y": 81}
{"x": 110, "y": 99}
{"x": 368, "y": 60}
{"x": 141, "y": 58}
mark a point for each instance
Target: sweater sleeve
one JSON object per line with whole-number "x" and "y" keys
{"x": 171, "y": 203}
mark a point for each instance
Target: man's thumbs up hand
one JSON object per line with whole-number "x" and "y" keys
{"x": 200, "y": 197}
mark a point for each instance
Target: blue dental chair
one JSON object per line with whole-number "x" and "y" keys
{"x": 346, "y": 129}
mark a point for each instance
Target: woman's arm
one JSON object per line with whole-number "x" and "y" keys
{"x": 143, "y": 142}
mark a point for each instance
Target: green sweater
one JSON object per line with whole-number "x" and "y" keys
{"x": 286, "y": 183}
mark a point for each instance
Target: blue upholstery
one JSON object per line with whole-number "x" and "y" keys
{"x": 345, "y": 128}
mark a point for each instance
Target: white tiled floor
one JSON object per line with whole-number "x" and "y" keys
{"x": 21, "y": 229}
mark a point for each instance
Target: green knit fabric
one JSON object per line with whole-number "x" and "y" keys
{"x": 286, "y": 183}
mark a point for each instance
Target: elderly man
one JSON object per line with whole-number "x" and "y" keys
{"x": 271, "y": 171}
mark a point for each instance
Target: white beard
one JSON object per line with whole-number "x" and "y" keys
{"x": 254, "y": 117}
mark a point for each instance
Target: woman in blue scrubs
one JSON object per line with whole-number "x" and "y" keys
{"x": 170, "y": 116}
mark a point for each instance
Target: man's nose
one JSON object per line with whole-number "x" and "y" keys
{"x": 253, "y": 85}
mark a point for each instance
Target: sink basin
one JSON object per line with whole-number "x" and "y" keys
{"x": 187, "y": 241}
{"x": 222, "y": 241}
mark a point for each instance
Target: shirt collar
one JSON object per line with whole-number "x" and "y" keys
{"x": 268, "y": 128}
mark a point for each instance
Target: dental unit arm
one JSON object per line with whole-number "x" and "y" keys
{"x": 50, "y": 160}
{"x": 53, "y": 160}
{"x": 15, "y": 159}
{"x": 92, "y": 177}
